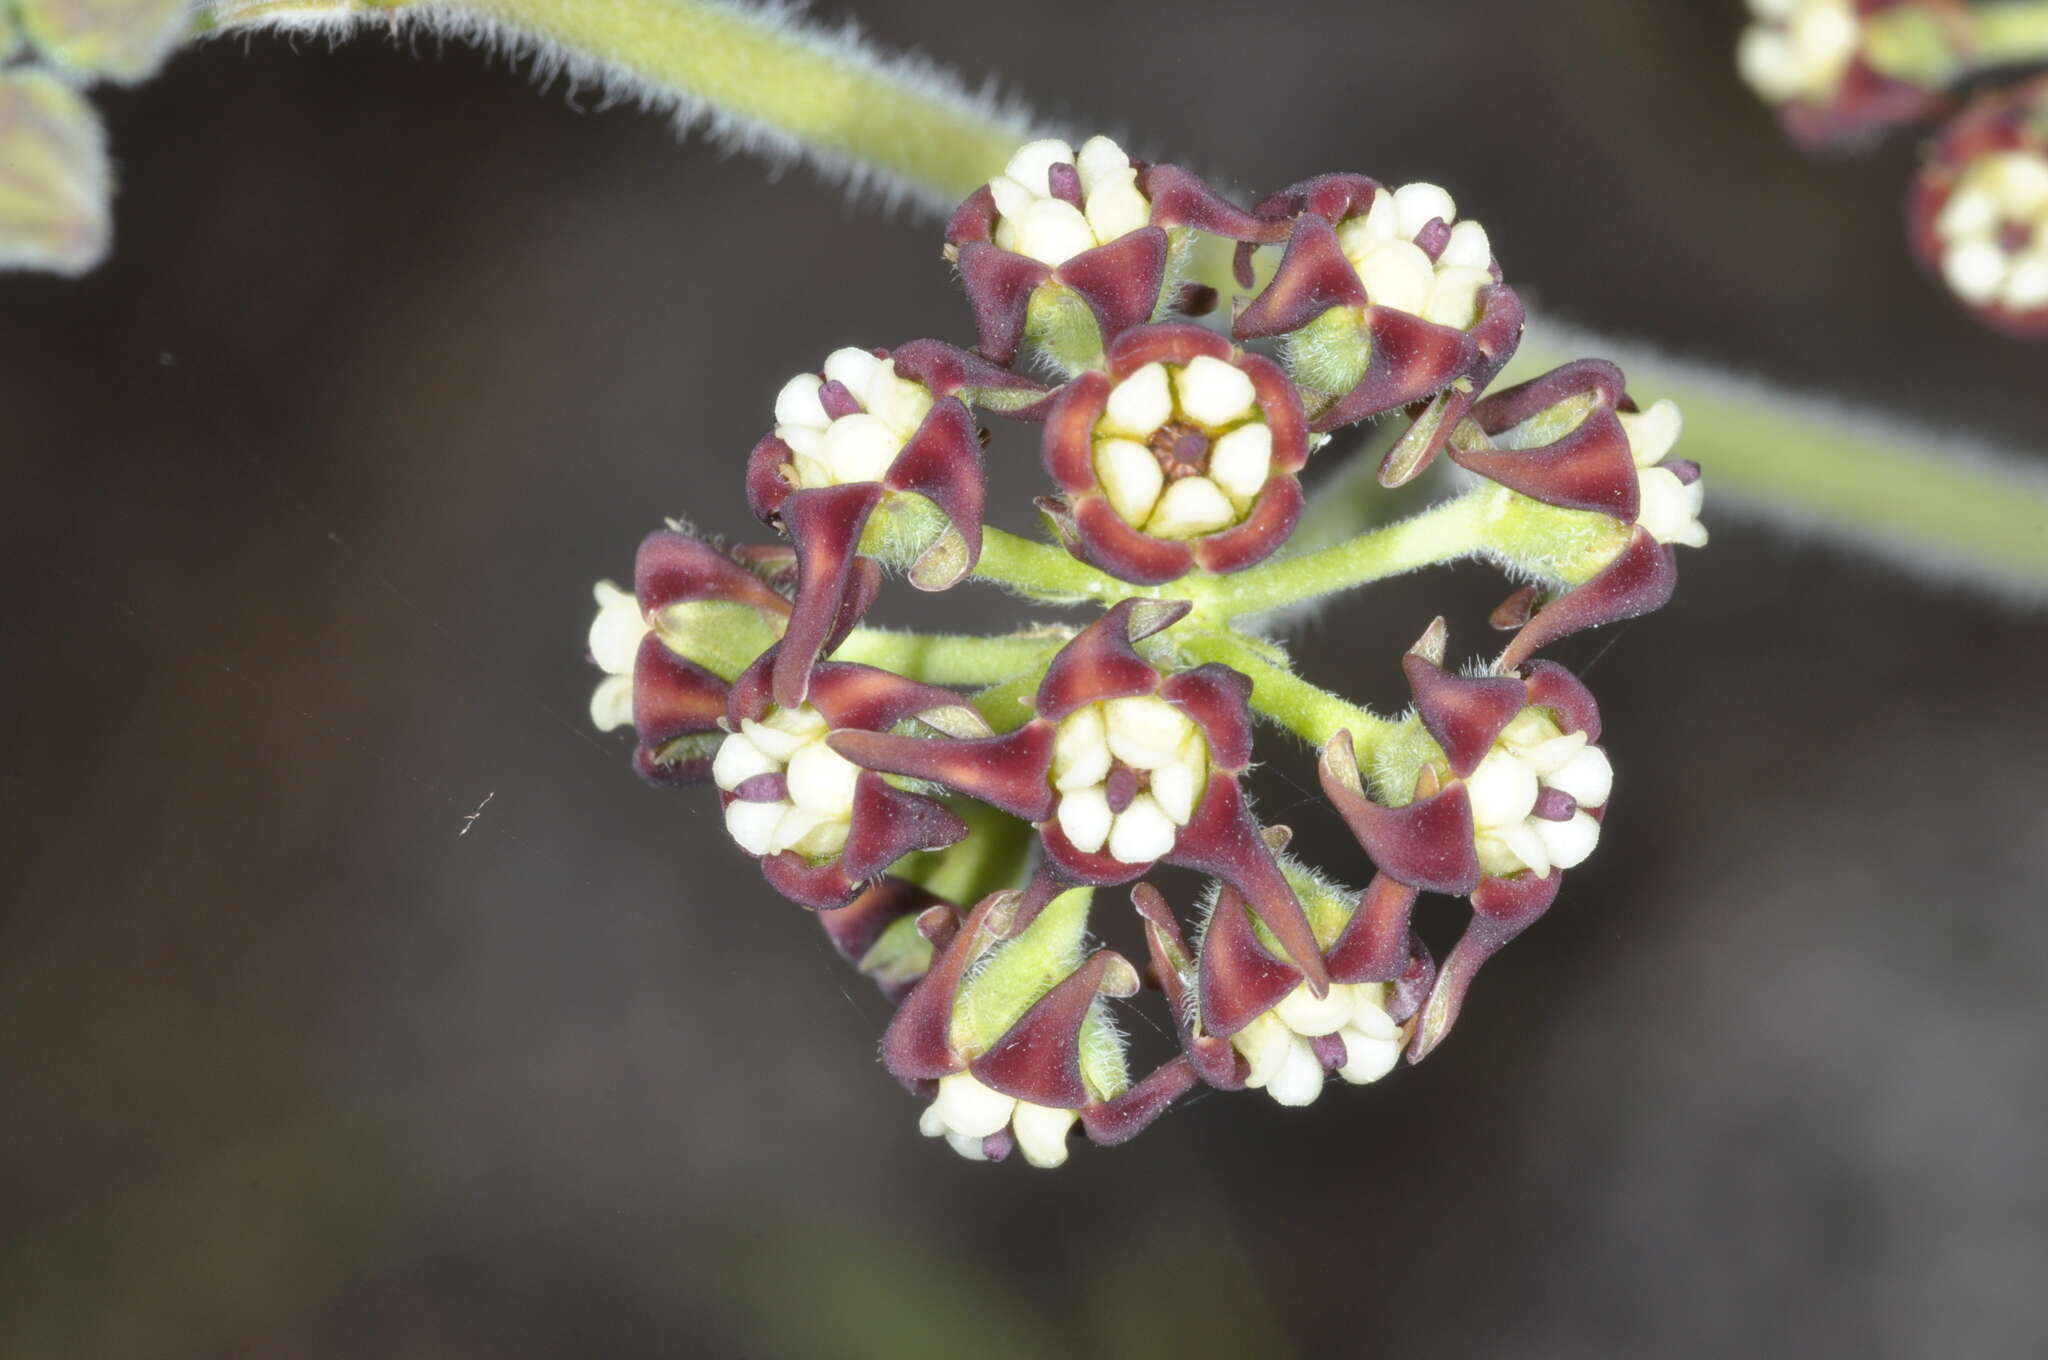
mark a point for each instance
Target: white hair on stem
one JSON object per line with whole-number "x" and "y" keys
{"x": 566, "y": 42}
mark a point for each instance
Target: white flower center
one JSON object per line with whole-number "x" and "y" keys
{"x": 1031, "y": 219}
{"x": 965, "y": 1111}
{"x": 614, "y": 642}
{"x": 1398, "y": 274}
{"x": 1183, "y": 449}
{"x": 1799, "y": 49}
{"x": 857, "y": 446}
{"x": 1530, "y": 757}
{"x": 1670, "y": 506}
{"x": 815, "y": 808}
{"x": 1276, "y": 1048}
{"x": 1994, "y": 232}
{"x": 1129, "y": 773}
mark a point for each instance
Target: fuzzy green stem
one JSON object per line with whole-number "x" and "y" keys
{"x": 2009, "y": 34}
{"x": 1454, "y": 529}
{"x": 775, "y": 83}
{"x": 952, "y": 658}
{"x": 1862, "y": 480}
{"x": 1282, "y": 697}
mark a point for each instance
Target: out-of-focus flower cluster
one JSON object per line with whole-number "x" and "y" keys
{"x": 55, "y": 210}
{"x": 1841, "y": 73}
{"x": 953, "y": 807}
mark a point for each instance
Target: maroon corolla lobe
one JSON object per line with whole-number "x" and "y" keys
{"x": 1639, "y": 581}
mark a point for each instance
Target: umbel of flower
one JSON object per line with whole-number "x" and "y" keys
{"x": 673, "y": 704}
{"x": 1388, "y": 300}
{"x": 1500, "y": 790}
{"x": 821, "y": 825}
{"x": 1978, "y": 214}
{"x": 1122, "y": 768}
{"x": 1574, "y": 440}
{"x": 1182, "y": 453}
{"x": 1247, "y": 1019}
{"x": 1814, "y": 61}
{"x": 1009, "y": 1035}
{"x": 1074, "y": 248}
{"x": 871, "y": 425}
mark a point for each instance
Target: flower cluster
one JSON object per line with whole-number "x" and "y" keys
{"x": 1841, "y": 72}
{"x": 952, "y": 807}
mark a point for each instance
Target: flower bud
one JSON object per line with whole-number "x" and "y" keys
{"x": 1183, "y": 453}
{"x": 1978, "y": 213}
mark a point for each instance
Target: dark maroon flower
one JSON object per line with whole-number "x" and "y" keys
{"x": 1811, "y": 60}
{"x": 1392, "y": 302}
{"x": 1183, "y": 453}
{"x": 1246, "y": 1017}
{"x": 1121, "y": 769}
{"x": 674, "y": 705}
{"x": 1978, "y": 212}
{"x": 871, "y": 425}
{"x": 1091, "y": 231}
{"x": 879, "y": 932}
{"x": 1574, "y": 439}
{"x": 1512, "y": 794}
{"x": 821, "y": 825}
{"x": 1008, "y": 1035}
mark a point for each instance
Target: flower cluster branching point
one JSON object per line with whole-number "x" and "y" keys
{"x": 953, "y": 808}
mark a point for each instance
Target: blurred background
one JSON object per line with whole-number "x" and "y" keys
{"x": 356, "y": 999}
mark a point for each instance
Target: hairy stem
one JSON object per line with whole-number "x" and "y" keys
{"x": 952, "y": 658}
{"x": 788, "y": 86}
{"x": 1279, "y": 695}
{"x": 765, "y": 78}
{"x": 1453, "y": 529}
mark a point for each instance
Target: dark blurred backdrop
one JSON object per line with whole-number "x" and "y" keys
{"x": 305, "y": 492}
